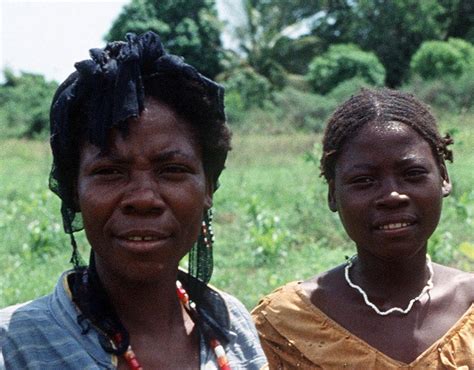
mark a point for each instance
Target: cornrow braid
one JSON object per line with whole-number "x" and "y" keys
{"x": 381, "y": 106}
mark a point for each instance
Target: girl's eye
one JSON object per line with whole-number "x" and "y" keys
{"x": 415, "y": 173}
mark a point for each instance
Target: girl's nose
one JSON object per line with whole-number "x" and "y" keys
{"x": 393, "y": 199}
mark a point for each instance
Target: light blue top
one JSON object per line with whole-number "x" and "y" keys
{"x": 43, "y": 334}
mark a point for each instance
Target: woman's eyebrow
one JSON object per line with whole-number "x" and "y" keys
{"x": 115, "y": 156}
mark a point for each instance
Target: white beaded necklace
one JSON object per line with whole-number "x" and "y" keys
{"x": 426, "y": 289}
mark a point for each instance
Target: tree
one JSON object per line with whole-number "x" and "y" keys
{"x": 392, "y": 29}
{"x": 458, "y": 18}
{"x": 267, "y": 40}
{"x": 344, "y": 62}
{"x": 24, "y": 104}
{"x": 438, "y": 59}
{"x": 190, "y": 31}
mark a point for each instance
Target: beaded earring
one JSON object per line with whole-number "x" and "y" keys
{"x": 206, "y": 229}
{"x": 200, "y": 256}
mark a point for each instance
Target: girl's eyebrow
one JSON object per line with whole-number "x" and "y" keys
{"x": 411, "y": 159}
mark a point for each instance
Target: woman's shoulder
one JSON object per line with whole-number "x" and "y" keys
{"x": 19, "y": 322}
{"x": 24, "y": 314}
{"x": 243, "y": 349}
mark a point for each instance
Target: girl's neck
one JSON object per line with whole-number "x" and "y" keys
{"x": 389, "y": 278}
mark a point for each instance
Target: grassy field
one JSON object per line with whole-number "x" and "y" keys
{"x": 272, "y": 224}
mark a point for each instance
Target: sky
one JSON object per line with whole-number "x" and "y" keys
{"x": 49, "y": 36}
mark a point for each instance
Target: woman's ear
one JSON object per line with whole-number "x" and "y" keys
{"x": 446, "y": 186}
{"x": 332, "y": 196}
{"x": 209, "y": 193}
{"x": 75, "y": 197}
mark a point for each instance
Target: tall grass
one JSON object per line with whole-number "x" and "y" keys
{"x": 272, "y": 223}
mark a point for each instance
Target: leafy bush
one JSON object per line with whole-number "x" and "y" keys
{"x": 446, "y": 93}
{"x": 347, "y": 88}
{"x": 303, "y": 110}
{"x": 269, "y": 238}
{"x": 342, "y": 62}
{"x": 437, "y": 59}
{"x": 254, "y": 90}
{"x": 24, "y": 105}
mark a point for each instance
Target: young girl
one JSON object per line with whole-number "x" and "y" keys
{"x": 388, "y": 306}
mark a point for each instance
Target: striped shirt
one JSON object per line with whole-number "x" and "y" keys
{"x": 44, "y": 334}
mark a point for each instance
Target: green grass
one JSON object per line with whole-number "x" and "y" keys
{"x": 272, "y": 223}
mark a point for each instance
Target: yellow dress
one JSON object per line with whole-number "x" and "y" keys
{"x": 297, "y": 335}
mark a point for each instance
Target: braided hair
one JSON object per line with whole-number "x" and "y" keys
{"x": 103, "y": 94}
{"x": 380, "y": 106}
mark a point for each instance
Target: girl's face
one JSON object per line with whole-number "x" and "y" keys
{"x": 388, "y": 190}
{"x": 142, "y": 201}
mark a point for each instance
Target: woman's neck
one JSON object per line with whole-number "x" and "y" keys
{"x": 145, "y": 307}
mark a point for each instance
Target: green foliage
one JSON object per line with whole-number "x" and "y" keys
{"x": 24, "y": 105}
{"x": 447, "y": 93}
{"x": 268, "y": 238}
{"x": 189, "y": 31}
{"x": 253, "y": 89}
{"x": 347, "y": 88}
{"x": 437, "y": 59}
{"x": 263, "y": 38}
{"x": 294, "y": 55}
{"x": 304, "y": 110}
{"x": 343, "y": 62}
{"x": 393, "y": 30}
{"x": 458, "y": 18}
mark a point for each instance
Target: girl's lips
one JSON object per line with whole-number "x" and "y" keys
{"x": 395, "y": 225}
{"x": 138, "y": 238}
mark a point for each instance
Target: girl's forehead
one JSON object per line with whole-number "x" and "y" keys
{"x": 378, "y": 140}
{"x": 386, "y": 131}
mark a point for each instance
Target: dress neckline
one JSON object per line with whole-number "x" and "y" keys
{"x": 432, "y": 349}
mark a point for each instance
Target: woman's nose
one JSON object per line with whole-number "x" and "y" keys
{"x": 392, "y": 199}
{"x": 142, "y": 196}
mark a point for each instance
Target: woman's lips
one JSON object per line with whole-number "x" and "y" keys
{"x": 143, "y": 240}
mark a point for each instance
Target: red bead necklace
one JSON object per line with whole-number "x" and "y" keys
{"x": 190, "y": 307}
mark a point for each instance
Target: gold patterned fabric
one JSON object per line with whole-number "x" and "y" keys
{"x": 295, "y": 334}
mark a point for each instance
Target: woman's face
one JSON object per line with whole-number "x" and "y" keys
{"x": 388, "y": 190}
{"x": 142, "y": 201}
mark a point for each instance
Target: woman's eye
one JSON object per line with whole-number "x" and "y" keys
{"x": 174, "y": 169}
{"x": 107, "y": 171}
{"x": 362, "y": 180}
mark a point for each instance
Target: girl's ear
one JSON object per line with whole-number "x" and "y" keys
{"x": 332, "y": 196}
{"x": 446, "y": 186}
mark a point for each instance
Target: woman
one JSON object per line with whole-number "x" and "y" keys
{"x": 389, "y": 306}
{"x": 139, "y": 140}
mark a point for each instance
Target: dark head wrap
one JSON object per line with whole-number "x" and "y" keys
{"x": 108, "y": 89}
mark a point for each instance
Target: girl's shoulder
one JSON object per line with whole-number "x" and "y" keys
{"x": 454, "y": 283}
